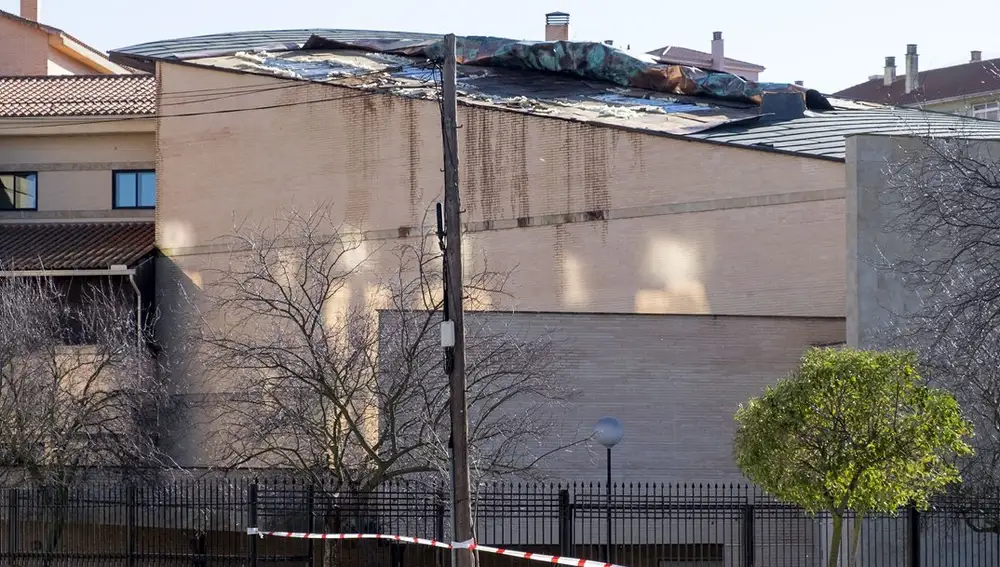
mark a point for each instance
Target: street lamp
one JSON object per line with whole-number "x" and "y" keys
{"x": 608, "y": 432}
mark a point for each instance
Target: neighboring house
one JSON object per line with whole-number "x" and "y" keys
{"x": 685, "y": 249}
{"x": 77, "y": 180}
{"x": 972, "y": 88}
{"x": 28, "y": 47}
{"x": 715, "y": 61}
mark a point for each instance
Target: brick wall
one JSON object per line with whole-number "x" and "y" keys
{"x": 23, "y": 50}
{"x": 687, "y": 227}
{"x": 587, "y": 219}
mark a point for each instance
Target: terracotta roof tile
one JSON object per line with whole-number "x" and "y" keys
{"x": 77, "y": 95}
{"x": 74, "y": 246}
{"x": 979, "y": 77}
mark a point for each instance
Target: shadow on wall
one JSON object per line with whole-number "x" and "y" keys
{"x": 177, "y": 294}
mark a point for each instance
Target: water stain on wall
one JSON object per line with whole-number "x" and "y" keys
{"x": 366, "y": 116}
{"x": 411, "y": 120}
{"x": 515, "y": 139}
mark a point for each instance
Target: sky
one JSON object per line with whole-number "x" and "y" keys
{"x": 829, "y": 45}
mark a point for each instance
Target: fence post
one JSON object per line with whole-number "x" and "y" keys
{"x": 130, "y": 505}
{"x": 748, "y": 536}
{"x": 439, "y": 527}
{"x": 13, "y": 523}
{"x": 253, "y": 523}
{"x": 913, "y": 538}
{"x": 311, "y": 509}
{"x": 565, "y": 524}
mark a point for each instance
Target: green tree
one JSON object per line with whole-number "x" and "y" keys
{"x": 852, "y": 430}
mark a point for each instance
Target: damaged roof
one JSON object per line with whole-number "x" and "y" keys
{"x": 74, "y": 245}
{"x": 581, "y": 81}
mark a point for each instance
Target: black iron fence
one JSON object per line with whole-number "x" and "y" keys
{"x": 204, "y": 523}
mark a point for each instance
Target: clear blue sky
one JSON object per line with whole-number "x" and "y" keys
{"x": 829, "y": 45}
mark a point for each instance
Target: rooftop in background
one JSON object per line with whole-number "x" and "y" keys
{"x": 74, "y": 246}
{"x": 78, "y": 95}
{"x": 701, "y": 59}
{"x": 579, "y": 81}
{"x": 95, "y": 60}
{"x": 946, "y": 83}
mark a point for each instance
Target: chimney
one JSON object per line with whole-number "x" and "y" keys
{"x": 718, "y": 53}
{"x": 800, "y": 83}
{"x": 610, "y": 42}
{"x": 890, "y": 71}
{"x": 557, "y": 26}
{"x": 912, "y": 72}
{"x": 976, "y": 56}
{"x": 29, "y": 10}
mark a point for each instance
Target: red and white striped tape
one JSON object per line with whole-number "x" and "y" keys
{"x": 471, "y": 544}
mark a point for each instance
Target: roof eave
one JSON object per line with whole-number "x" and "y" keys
{"x": 69, "y": 46}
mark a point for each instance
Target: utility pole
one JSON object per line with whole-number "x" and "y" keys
{"x": 454, "y": 318}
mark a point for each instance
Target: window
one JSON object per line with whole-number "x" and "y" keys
{"x": 135, "y": 189}
{"x": 987, "y": 111}
{"x": 18, "y": 191}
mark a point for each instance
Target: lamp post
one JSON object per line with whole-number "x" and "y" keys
{"x": 608, "y": 432}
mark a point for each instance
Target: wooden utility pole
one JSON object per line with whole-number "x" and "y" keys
{"x": 462, "y": 521}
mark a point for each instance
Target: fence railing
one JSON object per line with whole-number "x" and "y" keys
{"x": 204, "y": 523}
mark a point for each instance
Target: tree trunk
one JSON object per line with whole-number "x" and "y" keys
{"x": 838, "y": 531}
{"x": 855, "y": 540}
{"x": 56, "y": 499}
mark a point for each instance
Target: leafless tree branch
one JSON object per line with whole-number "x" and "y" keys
{"x": 331, "y": 350}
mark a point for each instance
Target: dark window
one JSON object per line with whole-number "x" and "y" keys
{"x": 135, "y": 189}
{"x": 18, "y": 191}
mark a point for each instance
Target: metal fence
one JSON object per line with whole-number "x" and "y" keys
{"x": 204, "y": 523}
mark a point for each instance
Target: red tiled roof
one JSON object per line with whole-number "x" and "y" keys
{"x": 979, "y": 77}
{"x": 77, "y": 95}
{"x": 74, "y": 246}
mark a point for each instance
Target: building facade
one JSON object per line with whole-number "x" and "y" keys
{"x": 685, "y": 253}
{"x": 970, "y": 89}
{"x": 31, "y": 48}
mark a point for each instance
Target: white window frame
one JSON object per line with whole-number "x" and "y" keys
{"x": 987, "y": 110}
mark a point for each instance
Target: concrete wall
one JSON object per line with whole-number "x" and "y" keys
{"x": 879, "y": 301}
{"x": 23, "y": 50}
{"x": 75, "y": 171}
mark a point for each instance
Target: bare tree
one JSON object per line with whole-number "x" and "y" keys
{"x": 945, "y": 201}
{"x": 333, "y": 357}
{"x": 80, "y": 391}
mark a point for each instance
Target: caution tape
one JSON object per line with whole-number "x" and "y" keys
{"x": 470, "y": 544}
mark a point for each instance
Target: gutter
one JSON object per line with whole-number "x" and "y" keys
{"x": 112, "y": 271}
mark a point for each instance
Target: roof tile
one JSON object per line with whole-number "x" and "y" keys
{"x": 964, "y": 80}
{"x": 77, "y": 95}
{"x": 74, "y": 246}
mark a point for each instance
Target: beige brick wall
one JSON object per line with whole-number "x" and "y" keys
{"x": 696, "y": 228}
{"x": 75, "y": 172}
{"x": 23, "y": 50}
{"x": 673, "y": 381}
{"x": 589, "y": 219}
